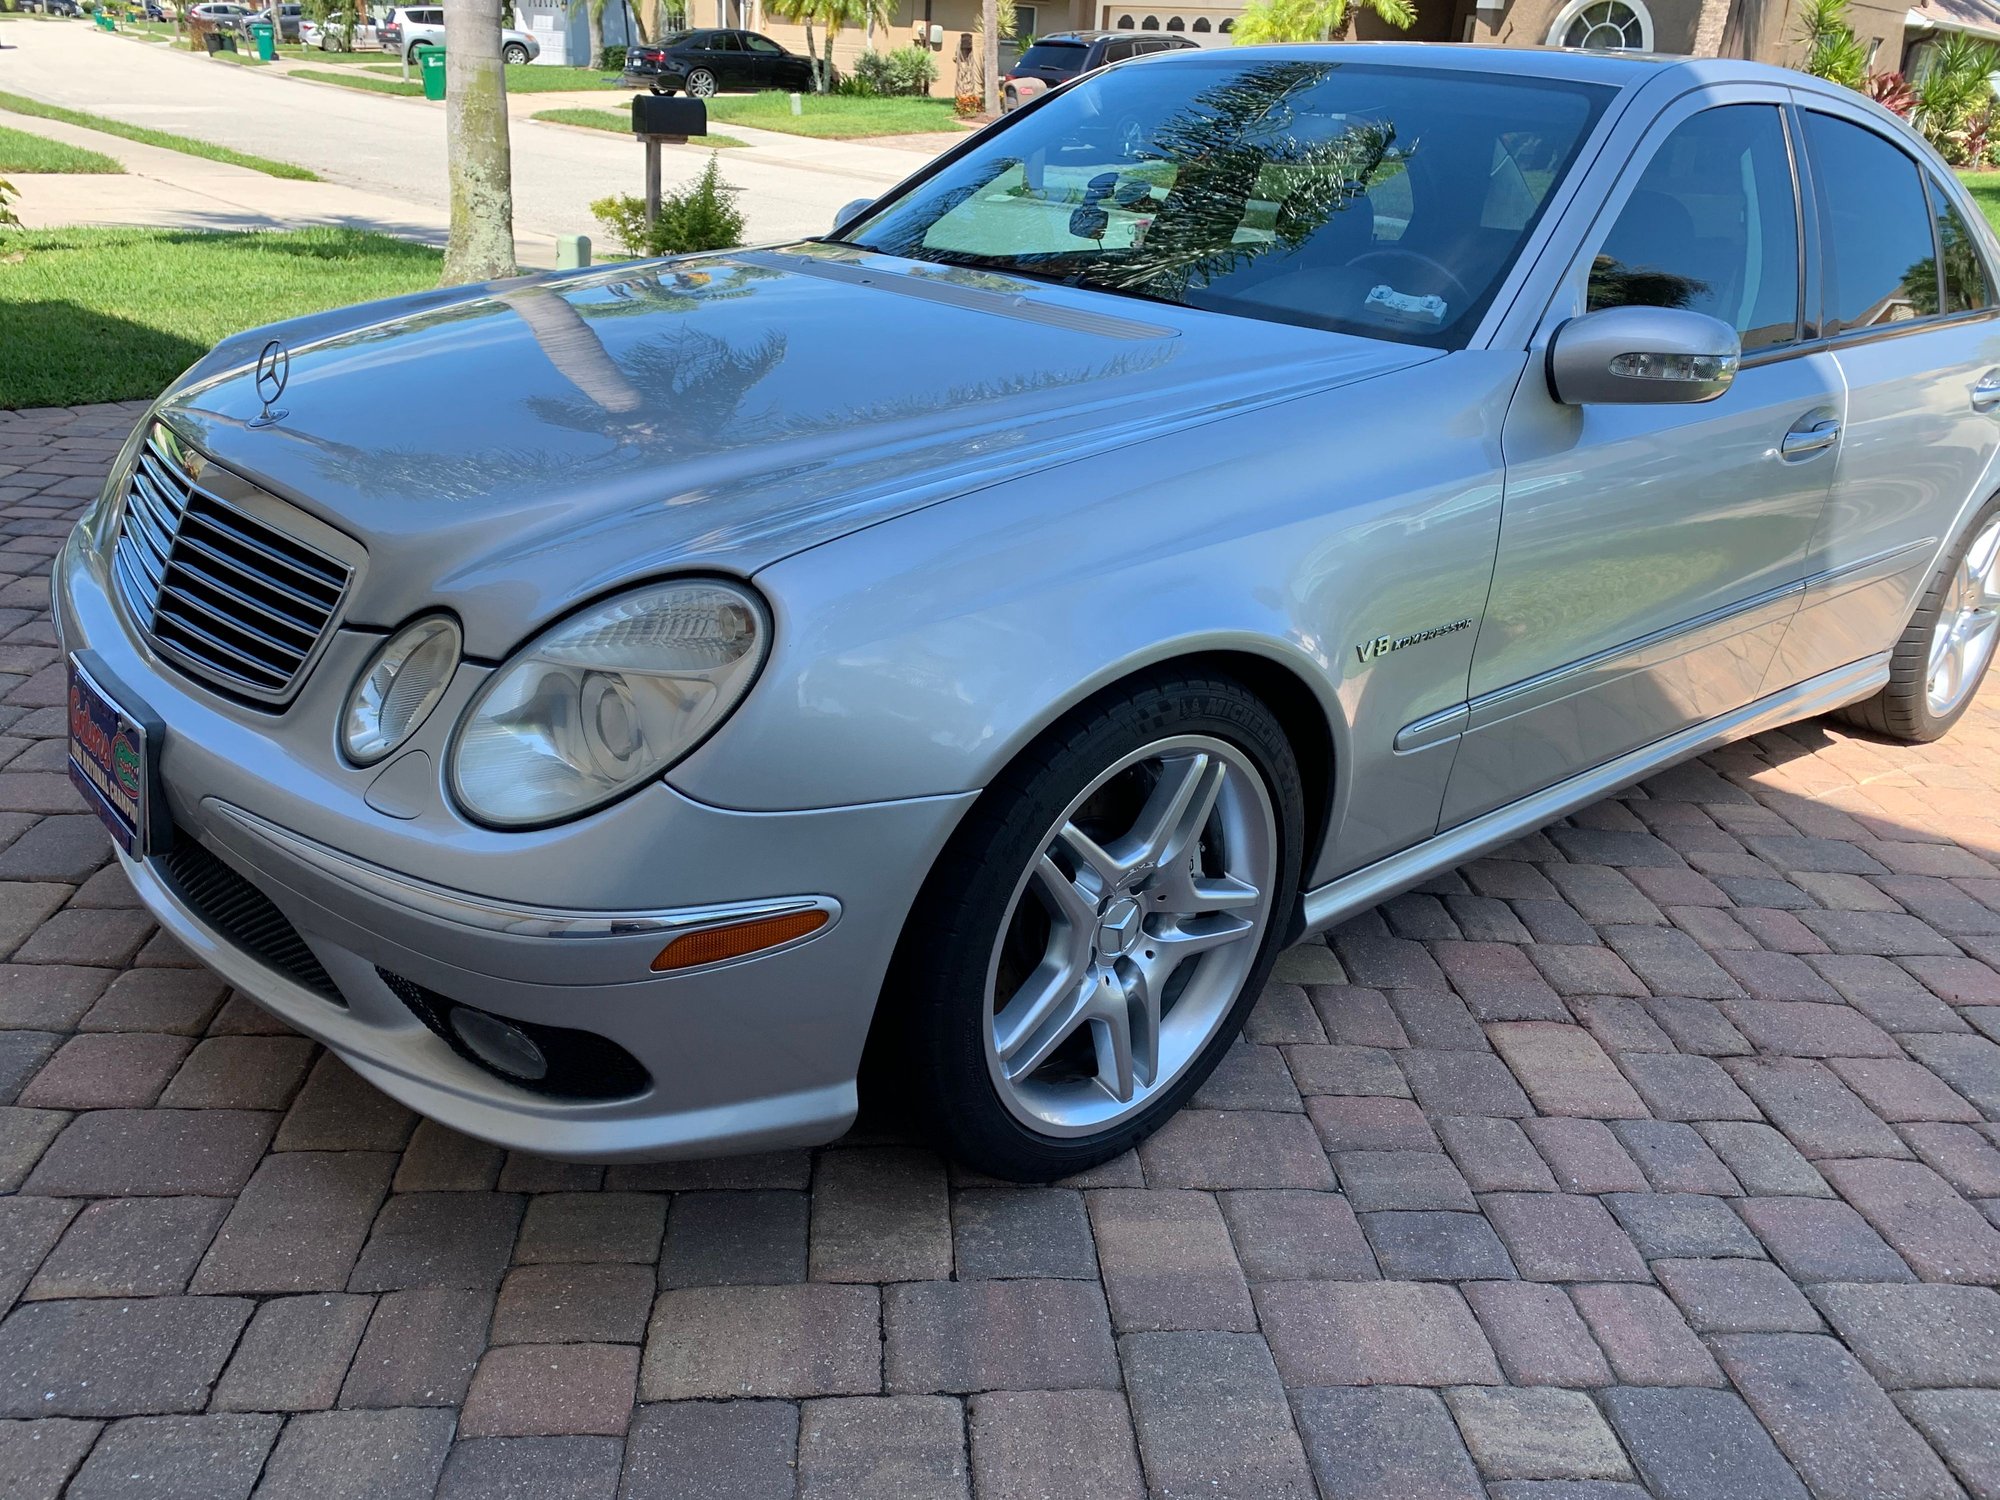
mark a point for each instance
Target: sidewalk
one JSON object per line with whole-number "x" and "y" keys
{"x": 170, "y": 190}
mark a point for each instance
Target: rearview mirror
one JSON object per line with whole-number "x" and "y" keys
{"x": 1642, "y": 355}
{"x": 849, "y": 212}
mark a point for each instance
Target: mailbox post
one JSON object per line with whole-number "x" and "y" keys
{"x": 659, "y": 120}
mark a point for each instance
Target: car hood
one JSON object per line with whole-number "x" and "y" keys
{"x": 507, "y": 452}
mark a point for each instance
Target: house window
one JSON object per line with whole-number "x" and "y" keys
{"x": 1151, "y": 23}
{"x": 1603, "y": 26}
{"x": 1125, "y": 23}
{"x": 1024, "y": 23}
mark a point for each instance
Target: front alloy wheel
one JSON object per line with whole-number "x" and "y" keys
{"x": 1089, "y": 943}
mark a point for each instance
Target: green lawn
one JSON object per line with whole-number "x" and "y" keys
{"x": 185, "y": 144}
{"x": 835, "y": 116}
{"x": 22, "y": 152}
{"x": 620, "y": 123}
{"x": 1985, "y": 190}
{"x": 114, "y": 314}
{"x": 366, "y": 80}
{"x": 532, "y": 78}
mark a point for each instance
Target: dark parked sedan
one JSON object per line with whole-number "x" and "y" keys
{"x": 708, "y": 62}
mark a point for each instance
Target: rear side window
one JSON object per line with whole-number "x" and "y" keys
{"x": 1881, "y": 265}
{"x": 1053, "y": 57}
{"x": 1966, "y": 286}
{"x": 1712, "y": 227}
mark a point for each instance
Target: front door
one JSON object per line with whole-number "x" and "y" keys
{"x": 1650, "y": 555}
{"x": 1910, "y": 312}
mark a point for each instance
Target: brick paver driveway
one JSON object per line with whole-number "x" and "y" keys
{"x": 1653, "y": 1154}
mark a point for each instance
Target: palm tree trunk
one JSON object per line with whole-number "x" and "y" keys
{"x": 593, "y": 32}
{"x": 819, "y": 82}
{"x": 989, "y": 61}
{"x": 476, "y": 145}
{"x": 1711, "y": 22}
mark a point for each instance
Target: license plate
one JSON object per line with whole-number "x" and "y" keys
{"x": 113, "y": 744}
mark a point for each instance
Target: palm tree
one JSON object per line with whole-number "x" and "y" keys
{"x": 1710, "y": 25}
{"x": 476, "y": 145}
{"x": 1315, "y": 20}
{"x": 593, "y": 22}
{"x": 804, "y": 13}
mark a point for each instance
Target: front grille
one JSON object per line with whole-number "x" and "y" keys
{"x": 243, "y": 914}
{"x": 223, "y": 594}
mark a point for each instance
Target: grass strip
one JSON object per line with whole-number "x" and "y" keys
{"x": 186, "y": 145}
{"x": 114, "y": 314}
{"x": 23, "y": 153}
{"x": 621, "y": 124}
{"x": 365, "y": 80}
{"x": 835, "y": 116}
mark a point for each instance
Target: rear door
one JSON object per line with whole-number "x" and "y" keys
{"x": 1910, "y": 316}
{"x": 1650, "y": 555}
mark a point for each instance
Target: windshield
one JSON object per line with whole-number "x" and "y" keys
{"x": 1388, "y": 202}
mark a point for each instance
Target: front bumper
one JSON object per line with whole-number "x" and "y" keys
{"x": 555, "y": 927}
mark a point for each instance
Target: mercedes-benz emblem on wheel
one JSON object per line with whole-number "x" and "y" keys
{"x": 274, "y": 368}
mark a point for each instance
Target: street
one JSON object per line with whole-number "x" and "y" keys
{"x": 395, "y": 147}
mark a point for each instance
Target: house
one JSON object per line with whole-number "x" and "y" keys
{"x": 1897, "y": 34}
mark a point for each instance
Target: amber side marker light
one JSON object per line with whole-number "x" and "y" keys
{"x": 714, "y": 944}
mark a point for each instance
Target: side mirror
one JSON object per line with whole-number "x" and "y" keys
{"x": 1642, "y": 356}
{"x": 849, "y": 212}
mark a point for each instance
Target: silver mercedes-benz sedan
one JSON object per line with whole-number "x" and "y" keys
{"x": 604, "y": 708}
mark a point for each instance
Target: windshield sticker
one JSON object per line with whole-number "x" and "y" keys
{"x": 1426, "y": 312}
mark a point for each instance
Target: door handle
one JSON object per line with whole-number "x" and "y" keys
{"x": 1986, "y": 394}
{"x": 1802, "y": 442}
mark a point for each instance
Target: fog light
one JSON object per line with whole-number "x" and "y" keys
{"x": 402, "y": 684}
{"x": 714, "y": 944}
{"x": 506, "y": 1048}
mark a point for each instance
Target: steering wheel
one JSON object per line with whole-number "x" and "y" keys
{"x": 1436, "y": 268}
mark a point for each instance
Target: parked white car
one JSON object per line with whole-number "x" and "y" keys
{"x": 330, "y": 35}
{"x": 409, "y": 27}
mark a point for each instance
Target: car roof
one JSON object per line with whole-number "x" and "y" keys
{"x": 1619, "y": 69}
{"x": 1080, "y": 36}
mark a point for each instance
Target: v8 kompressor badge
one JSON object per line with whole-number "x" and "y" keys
{"x": 1382, "y": 645}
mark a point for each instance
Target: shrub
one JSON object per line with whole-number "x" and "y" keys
{"x": 705, "y": 217}
{"x": 866, "y": 81}
{"x": 912, "y": 70}
{"x": 614, "y": 59}
{"x": 965, "y": 106}
{"x": 7, "y": 216}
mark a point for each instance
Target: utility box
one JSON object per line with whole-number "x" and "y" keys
{"x": 430, "y": 61}
{"x": 659, "y": 115}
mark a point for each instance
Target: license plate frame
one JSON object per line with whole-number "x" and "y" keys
{"x": 114, "y": 752}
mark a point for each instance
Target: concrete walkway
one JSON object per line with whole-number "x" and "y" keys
{"x": 386, "y": 152}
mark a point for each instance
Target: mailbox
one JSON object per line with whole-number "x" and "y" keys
{"x": 657, "y": 114}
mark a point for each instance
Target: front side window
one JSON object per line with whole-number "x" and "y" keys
{"x": 1265, "y": 188}
{"x": 1965, "y": 284}
{"x": 1881, "y": 265}
{"x": 1712, "y": 226}
{"x": 758, "y": 43}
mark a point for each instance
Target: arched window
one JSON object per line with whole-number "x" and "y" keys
{"x": 1227, "y": 26}
{"x": 1603, "y": 26}
{"x": 1201, "y": 23}
{"x": 1126, "y": 23}
{"x": 1151, "y": 23}
{"x": 1175, "y": 23}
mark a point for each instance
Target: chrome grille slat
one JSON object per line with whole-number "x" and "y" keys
{"x": 222, "y": 591}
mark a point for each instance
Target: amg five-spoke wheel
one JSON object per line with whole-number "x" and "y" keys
{"x": 1089, "y": 944}
{"x": 1131, "y": 934}
{"x": 1962, "y": 639}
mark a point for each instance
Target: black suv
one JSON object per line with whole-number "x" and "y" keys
{"x": 706, "y": 62}
{"x": 1062, "y": 55}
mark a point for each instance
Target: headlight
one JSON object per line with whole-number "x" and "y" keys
{"x": 402, "y": 685}
{"x": 606, "y": 700}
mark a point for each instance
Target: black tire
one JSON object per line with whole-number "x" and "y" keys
{"x": 696, "y": 78}
{"x": 1901, "y": 710}
{"x": 933, "y": 1045}
{"x": 514, "y": 55}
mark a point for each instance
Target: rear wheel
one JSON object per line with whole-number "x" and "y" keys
{"x": 514, "y": 53}
{"x": 701, "y": 83}
{"x": 1090, "y": 943}
{"x": 1944, "y": 652}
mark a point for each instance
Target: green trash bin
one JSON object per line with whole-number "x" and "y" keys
{"x": 431, "y": 61}
{"x": 261, "y": 34}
